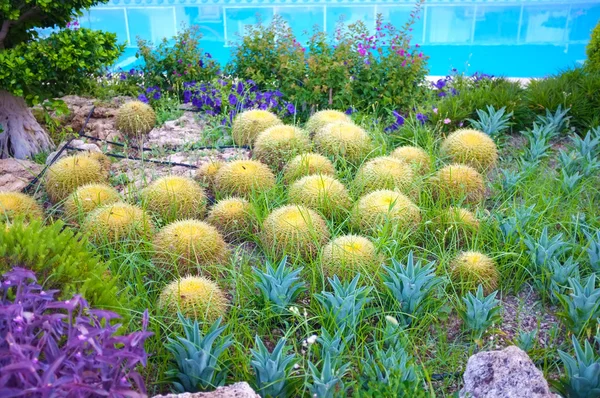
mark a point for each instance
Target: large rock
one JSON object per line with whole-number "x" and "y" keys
{"x": 175, "y": 133}
{"x": 16, "y": 174}
{"x": 509, "y": 373}
{"x": 237, "y": 390}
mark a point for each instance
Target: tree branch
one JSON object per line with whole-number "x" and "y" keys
{"x": 6, "y": 24}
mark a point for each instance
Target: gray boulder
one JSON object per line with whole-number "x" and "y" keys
{"x": 237, "y": 390}
{"x": 509, "y": 373}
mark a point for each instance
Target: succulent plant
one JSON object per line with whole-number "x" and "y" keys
{"x": 233, "y": 217}
{"x": 87, "y": 198}
{"x": 493, "y": 122}
{"x": 198, "y": 356}
{"x": 117, "y": 223}
{"x": 244, "y": 178}
{"x": 593, "y": 250}
{"x": 294, "y": 230}
{"x": 71, "y": 172}
{"x": 410, "y": 284}
{"x": 471, "y": 147}
{"x": 510, "y": 179}
{"x": 569, "y": 181}
{"x": 279, "y": 286}
{"x": 544, "y": 248}
{"x": 248, "y": 124}
{"x": 391, "y": 366}
{"x": 174, "y": 198}
{"x": 385, "y": 172}
{"x": 276, "y": 145}
{"x": 374, "y": 210}
{"x": 348, "y": 255}
{"x": 190, "y": 246}
{"x": 346, "y": 140}
{"x": 526, "y": 340}
{"x": 458, "y": 182}
{"x": 471, "y": 269}
{"x": 582, "y": 379}
{"x": 457, "y": 222}
{"x": 16, "y": 205}
{"x": 555, "y": 277}
{"x": 273, "y": 369}
{"x": 322, "y": 118}
{"x": 581, "y": 307}
{"x": 135, "y": 118}
{"x": 481, "y": 311}
{"x": 586, "y": 146}
{"x": 195, "y": 297}
{"x": 327, "y": 382}
{"x": 557, "y": 121}
{"x": 307, "y": 164}
{"x": 100, "y": 158}
{"x": 334, "y": 345}
{"x": 207, "y": 173}
{"x": 414, "y": 156}
{"x": 346, "y": 304}
{"x": 322, "y": 193}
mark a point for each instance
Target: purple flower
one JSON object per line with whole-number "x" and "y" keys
{"x": 143, "y": 98}
{"x": 240, "y": 88}
{"x": 349, "y": 111}
{"x": 156, "y": 95}
{"x": 421, "y": 117}
{"x": 201, "y": 63}
{"x": 222, "y": 82}
{"x": 179, "y": 61}
{"x": 207, "y": 55}
{"x": 123, "y": 76}
{"x": 233, "y": 100}
{"x": 291, "y": 108}
{"x": 447, "y": 121}
{"x": 440, "y": 84}
{"x": 442, "y": 94}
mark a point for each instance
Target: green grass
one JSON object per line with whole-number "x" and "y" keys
{"x": 435, "y": 338}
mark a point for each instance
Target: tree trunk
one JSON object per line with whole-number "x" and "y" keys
{"x": 22, "y": 136}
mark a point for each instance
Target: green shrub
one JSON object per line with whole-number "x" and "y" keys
{"x": 593, "y": 50}
{"x": 61, "y": 259}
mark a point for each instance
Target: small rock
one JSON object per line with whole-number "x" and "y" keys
{"x": 175, "y": 133}
{"x": 509, "y": 373}
{"x": 16, "y": 174}
{"x": 237, "y": 390}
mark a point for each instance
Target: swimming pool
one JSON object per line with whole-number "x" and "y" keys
{"x": 515, "y": 38}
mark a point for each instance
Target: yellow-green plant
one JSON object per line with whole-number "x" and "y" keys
{"x": 118, "y": 223}
{"x": 456, "y": 222}
{"x": 135, "y": 118}
{"x": 88, "y": 197}
{"x": 415, "y": 156}
{"x": 233, "y": 217}
{"x": 471, "y": 147}
{"x": 322, "y": 193}
{"x": 348, "y": 255}
{"x": 385, "y": 172}
{"x": 278, "y": 144}
{"x": 16, "y": 205}
{"x": 322, "y": 118}
{"x": 249, "y": 124}
{"x": 345, "y": 140}
{"x": 593, "y": 50}
{"x": 244, "y": 177}
{"x": 376, "y": 209}
{"x": 207, "y": 173}
{"x": 458, "y": 182}
{"x": 100, "y": 158}
{"x": 471, "y": 269}
{"x": 294, "y": 231}
{"x": 306, "y": 164}
{"x": 192, "y": 246}
{"x": 174, "y": 197}
{"x": 69, "y": 173}
{"x": 194, "y": 297}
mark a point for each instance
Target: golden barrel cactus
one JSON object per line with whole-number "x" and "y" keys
{"x": 88, "y": 197}
{"x": 347, "y": 255}
{"x": 16, "y": 205}
{"x": 174, "y": 197}
{"x": 243, "y": 178}
{"x": 471, "y": 147}
{"x": 207, "y": 172}
{"x": 118, "y": 223}
{"x": 385, "y": 172}
{"x": 322, "y": 193}
{"x": 233, "y": 216}
{"x": 344, "y": 139}
{"x": 415, "y": 156}
{"x": 322, "y": 118}
{"x": 248, "y": 124}
{"x": 135, "y": 118}
{"x": 458, "y": 182}
{"x": 71, "y": 172}
{"x": 278, "y": 144}
{"x": 195, "y": 297}
{"x": 295, "y": 231}
{"x": 376, "y": 209}
{"x": 471, "y": 269}
{"x": 307, "y": 164}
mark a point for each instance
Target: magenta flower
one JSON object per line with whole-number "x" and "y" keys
{"x": 403, "y": 63}
{"x": 447, "y": 121}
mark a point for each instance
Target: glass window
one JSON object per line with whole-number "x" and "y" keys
{"x": 151, "y": 24}
{"x": 237, "y": 19}
{"x": 398, "y": 16}
{"x": 544, "y": 24}
{"x": 497, "y": 24}
{"x": 109, "y": 20}
{"x": 350, "y": 15}
{"x": 449, "y": 24}
{"x": 582, "y": 19}
{"x": 302, "y": 20}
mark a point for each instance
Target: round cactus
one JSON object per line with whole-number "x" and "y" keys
{"x": 190, "y": 244}
{"x": 174, "y": 197}
{"x": 278, "y": 144}
{"x": 207, "y": 172}
{"x": 88, "y": 197}
{"x": 375, "y": 209}
{"x": 470, "y": 147}
{"x": 294, "y": 231}
{"x": 16, "y": 205}
{"x": 243, "y": 177}
{"x": 325, "y": 117}
{"x": 247, "y": 125}
{"x": 232, "y": 216}
{"x": 117, "y": 223}
{"x": 195, "y": 297}
{"x": 459, "y": 182}
{"x": 100, "y": 158}
{"x": 347, "y": 255}
{"x": 322, "y": 193}
{"x": 415, "y": 156}
{"x": 344, "y": 139}
{"x": 471, "y": 269}
{"x": 71, "y": 172}
{"x": 307, "y": 164}
{"x": 135, "y": 118}
{"x": 456, "y": 222}
{"x": 385, "y": 172}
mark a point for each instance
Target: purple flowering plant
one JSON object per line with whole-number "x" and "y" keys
{"x": 64, "y": 348}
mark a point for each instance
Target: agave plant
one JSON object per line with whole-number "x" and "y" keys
{"x": 336, "y": 344}
{"x": 346, "y": 303}
{"x": 388, "y": 364}
{"x": 510, "y": 179}
{"x": 279, "y": 286}
{"x": 197, "y": 356}
{"x": 582, "y": 379}
{"x": 410, "y": 284}
{"x": 555, "y": 276}
{"x": 327, "y": 382}
{"x": 593, "y": 250}
{"x": 569, "y": 181}
{"x": 544, "y": 248}
{"x": 581, "y": 306}
{"x": 493, "y": 122}
{"x": 569, "y": 161}
{"x": 526, "y": 340}
{"x": 587, "y": 146}
{"x": 558, "y": 120}
{"x": 272, "y": 369}
{"x": 481, "y": 311}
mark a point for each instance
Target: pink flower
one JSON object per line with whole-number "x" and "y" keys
{"x": 403, "y": 63}
{"x": 447, "y": 121}
{"x": 435, "y": 110}
{"x": 460, "y": 124}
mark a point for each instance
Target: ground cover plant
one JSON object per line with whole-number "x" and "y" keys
{"x": 362, "y": 250}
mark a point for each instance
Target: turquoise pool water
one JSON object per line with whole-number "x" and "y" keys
{"x": 515, "y": 38}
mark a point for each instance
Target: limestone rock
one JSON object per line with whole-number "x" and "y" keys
{"x": 16, "y": 174}
{"x": 237, "y": 390}
{"x": 175, "y": 133}
{"x": 509, "y": 373}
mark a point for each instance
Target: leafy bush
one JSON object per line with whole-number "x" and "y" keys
{"x": 593, "y": 50}
{"x": 61, "y": 258}
{"x": 63, "y": 348}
